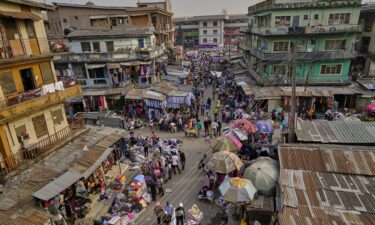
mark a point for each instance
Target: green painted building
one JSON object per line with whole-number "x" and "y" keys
{"x": 323, "y": 33}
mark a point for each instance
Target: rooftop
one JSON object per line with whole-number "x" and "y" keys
{"x": 343, "y": 132}
{"x": 31, "y": 3}
{"x": 326, "y": 184}
{"x": 128, "y": 32}
{"x": 199, "y": 18}
{"x": 17, "y": 202}
{"x": 89, "y": 5}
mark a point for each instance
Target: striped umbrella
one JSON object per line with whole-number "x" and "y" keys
{"x": 224, "y": 162}
{"x": 237, "y": 190}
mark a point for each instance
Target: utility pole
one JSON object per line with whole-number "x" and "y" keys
{"x": 293, "y": 100}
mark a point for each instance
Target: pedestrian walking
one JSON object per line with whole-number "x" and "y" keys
{"x": 169, "y": 209}
{"x": 158, "y": 211}
{"x": 206, "y": 129}
{"x": 180, "y": 214}
{"x": 182, "y": 160}
{"x": 160, "y": 145}
{"x": 214, "y": 127}
{"x": 198, "y": 127}
{"x": 153, "y": 189}
{"x": 160, "y": 185}
{"x": 203, "y": 107}
{"x": 220, "y": 125}
{"x": 175, "y": 163}
{"x": 146, "y": 147}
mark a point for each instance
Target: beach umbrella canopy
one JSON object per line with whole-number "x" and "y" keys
{"x": 237, "y": 190}
{"x": 240, "y": 134}
{"x": 225, "y": 144}
{"x": 244, "y": 125}
{"x": 224, "y": 162}
{"x": 371, "y": 107}
{"x": 263, "y": 172}
{"x": 264, "y": 126}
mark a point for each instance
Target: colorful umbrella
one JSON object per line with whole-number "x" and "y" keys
{"x": 237, "y": 190}
{"x": 140, "y": 178}
{"x": 371, "y": 107}
{"x": 244, "y": 125}
{"x": 224, "y": 144}
{"x": 263, "y": 172}
{"x": 264, "y": 126}
{"x": 224, "y": 162}
{"x": 235, "y": 140}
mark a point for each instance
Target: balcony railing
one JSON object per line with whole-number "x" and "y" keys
{"x": 327, "y": 55}
{"x": 10, "y": 49}
{"x": 29, "y": 95}
{"x": 343, "y": 28}
{"x": 285, "y": 80}
{"x": 40, "y": 148}
{"x": 145, "y": 54}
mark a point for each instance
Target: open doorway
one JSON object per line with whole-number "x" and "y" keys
{"x": 27, "y": 79}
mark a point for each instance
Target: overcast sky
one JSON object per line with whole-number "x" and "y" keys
{"x": 182, "y": 7}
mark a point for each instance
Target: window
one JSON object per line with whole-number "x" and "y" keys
{"x": 76, "y": 17}
{"x": 96, "y": 46}
{"x": 110, "y": 47}
{"x": 306, "y": 17}
{"x": 7, "y": 83}
{"x": 334, "y": 69}
{"x": 215, "y": 40}
{"x": 19, "y": 130}
{"x": 86, "y": 46}
{"x": 215, "y": 32}
{"x": 141, "y": 43}
{"x": 57, "y": 116}
{"x": 79, "y": 71}
{"x": 316, "y": 16}
{"x": 281, "y": 46}
{"x": 368, "y": 25}
{"x": 339, "y": 18}
{"x": 279, "y": 70}
{"x": 65, "y": 20}
{"x": 121, "y": 20}
{"x": 47, "y": 73}
{"x": 103, "y": 22}
{"x": 204, "y": 40}
{"x": 204, "y": 31}
{"x": 282, "y": 21}
{"x": 205, "y": 24}
{"x": 334, "y": 45}
{"x": 40, "y": 126}
{"x": 214, "y": 24}
{"x": 29, "y": 24}
{"x": 113, "y": 22}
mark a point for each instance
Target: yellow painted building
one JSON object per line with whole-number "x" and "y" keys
{"x": 32, "y": 113}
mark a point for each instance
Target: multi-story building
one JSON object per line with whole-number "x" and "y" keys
{"x": 102, "y": 59}
{"x": 323, "y": 33}
{"x": 367, "y": 40}
{"x": 32, "y": 114}
{"x": 232, "y": 27}
{"x": 211, "y": 30}
{"x": 68, "y": 17}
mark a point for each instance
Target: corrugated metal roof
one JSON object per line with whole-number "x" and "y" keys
{"x": 92, "y": 33}
{"x": 345, "y": 131}
{"x": 327, "y": 185}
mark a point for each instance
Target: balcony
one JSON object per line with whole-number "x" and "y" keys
{"x": 11, "y": 49}
{"x": 315, "y": 30}
{"x": 35, "y": 99}
{"x": 282, "y": 56}
{"x": 41, "y": 148}
{"x": 312, "y": 80}
{"x": 92, "y": 57}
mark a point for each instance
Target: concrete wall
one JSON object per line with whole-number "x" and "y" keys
{"x": 27, "y": 121}
{"x": 210, "y": 32}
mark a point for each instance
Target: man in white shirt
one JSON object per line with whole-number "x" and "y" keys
{"x": 175, "y": 163}
{"x": 214, "y": 127}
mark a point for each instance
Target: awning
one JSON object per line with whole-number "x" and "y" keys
{"x": 114, "y": 65}
{"x": 132, "y": 63}
{"x": 154, "y": 95}
{"x": 58, "y": 185}
{"x": 145, "y": 63}
{"x": 95, "y": 66}
{"x": 179, "y": 94}
{"x": 94, "y": 93}
{"x": 19, "y": 15}
{"x": 135, "y": 94}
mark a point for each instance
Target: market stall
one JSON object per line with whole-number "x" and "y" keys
{"x": 155, "y": 102}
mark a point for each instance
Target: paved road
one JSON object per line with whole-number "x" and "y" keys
{"x": 185, "y": 187}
